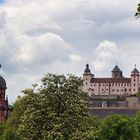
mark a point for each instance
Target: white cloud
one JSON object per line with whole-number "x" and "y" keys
{"x": 28, "y": 57}
{"x": 75, "y": 57}
{"x": 40, "y": 36}
{"x": 43, "y": 48}
{"x": 104, "y": 55}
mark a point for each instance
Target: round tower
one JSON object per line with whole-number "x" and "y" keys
{"x": 3, "y": 100}
{"x": 134, "y": 81}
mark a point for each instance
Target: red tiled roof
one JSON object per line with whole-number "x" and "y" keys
{"x": 110, "y": 80}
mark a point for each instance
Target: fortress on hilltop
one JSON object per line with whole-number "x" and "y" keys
{"x": 115, "y": 91}
{"x": 117, "y": 84}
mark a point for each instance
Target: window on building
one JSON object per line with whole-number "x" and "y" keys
{"x": 134, "y": 84}
{"x": 102, "y": 89}
{"x": 86, "y": 83}
{"x": 134, "y": 80}
{"x": 117, "y": 90}
{"x": 113, "y": 90}
{"x": 134, "y": 89}
{"x": 94, "y": 84}
{"x": 91, "y": 85}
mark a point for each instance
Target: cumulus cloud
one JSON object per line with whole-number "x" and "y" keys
{"x": 27, "y": 57}
{"x": 40, "y": 36}
{"x": 29, "y": 50}
{"x": 104, "y": 55}
{"x": 45, "y": 48}
{"x": 75, "y": 57}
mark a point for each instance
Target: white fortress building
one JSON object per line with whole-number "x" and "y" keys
{"x": 115, "y": 85}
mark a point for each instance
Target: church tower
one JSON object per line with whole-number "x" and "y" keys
{"x": 3, "y": 100}
{"x": 134, "y": 81}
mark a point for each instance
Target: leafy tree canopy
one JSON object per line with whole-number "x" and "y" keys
{"x": 118, "y": 127}
{"x": 54, "y": 109}
{"x": 138, "y": 11}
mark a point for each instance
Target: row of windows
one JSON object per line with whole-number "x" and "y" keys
{"x": 134, "y": 78}
{"x": 117, "y": 84}
{"x": 122, "y": 90}
{"x": 113, "y": 84}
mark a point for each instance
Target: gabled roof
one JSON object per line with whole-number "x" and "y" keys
{"x": 135, "y": 71}
{"x": 116, "y": 68}
{"x": 110, "y": 80}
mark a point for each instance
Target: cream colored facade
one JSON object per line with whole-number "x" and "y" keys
{"x": 115, "y": 85}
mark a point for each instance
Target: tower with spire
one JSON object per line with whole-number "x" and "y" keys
{"x": 3, "y": 100}
{"x": 116, "y": 72}
{"x": 87, "y": 76}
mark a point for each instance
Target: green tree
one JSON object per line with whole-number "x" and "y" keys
{"x": 19, "y": 107}
{"x": 2, "y": 128}
{"x": 118, "y": 127}
{"x": 138, "y": 11}
{"x": 55, "y": 110}
{"x": 138, "y": 94}
{"x": 10, "y": 134}
{"x": 137, "y": 120}
{"x": 89, "y": 129}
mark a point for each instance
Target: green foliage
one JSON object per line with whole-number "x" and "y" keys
{"x": 55, "y": 109}
{"x": 89, "y": 130}
{"x": 118, "y": 127}
{"x": 138, "y": 11}
{"x": 2, "y": 128}
{"x": 137, "y": 120}
{"x": 10, "y": 134}
{"x": 138, "y": 94}
{"x": 14, "y": 120}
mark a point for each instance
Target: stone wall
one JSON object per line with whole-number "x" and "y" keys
{"x": 133, "y": 101}
{"x": 115, "y": 101}
{"x": 102, "y": 112}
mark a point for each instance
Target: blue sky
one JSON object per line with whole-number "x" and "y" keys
{"x": 1, "y": 1}
{"x": 57, "y": 36}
